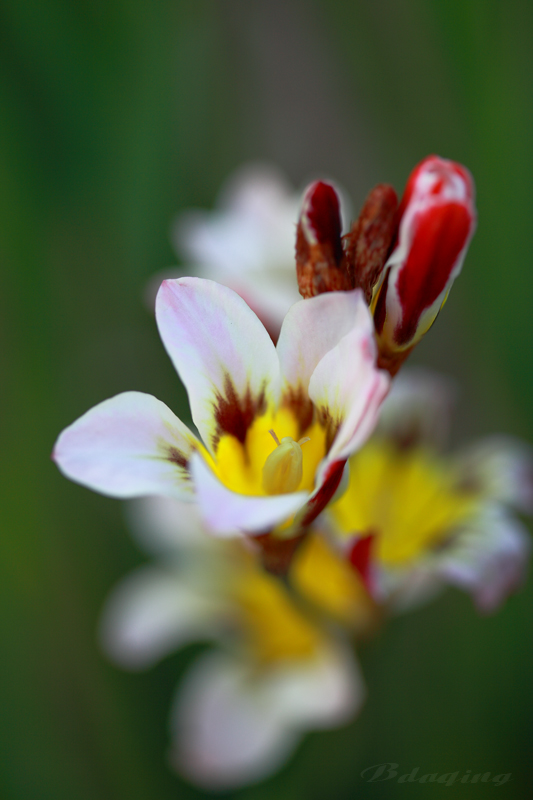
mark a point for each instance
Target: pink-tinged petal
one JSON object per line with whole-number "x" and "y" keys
{"x": 230, "y": 514}
{"x": 153, "y": 612}
{"x": 128, "y": 446}
{"x": 222, "y": 353}
{"x": 489, "y": 558}
{"x": 437, "y": 221}
{"x": 501, "y": 468}
{"x": 234, "y": 725}
{"x": 348, "y": 391}
{"x": 314, "y": 327}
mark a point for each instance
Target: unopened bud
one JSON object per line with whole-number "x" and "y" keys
{"x": 319, "y": 253}
{"x": 437, "y": 219}
{"x": 369, "y": 242}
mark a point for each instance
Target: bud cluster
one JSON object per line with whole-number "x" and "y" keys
{"x": 404, "y": 257}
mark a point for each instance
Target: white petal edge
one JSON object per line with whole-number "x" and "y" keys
{"x": 229, "y": 514}
{"x": 211, "y": 335}
{"x": 233, "y": 726}
{"x": 489, "y": 558}
{"x": 151, "y": 613}
{"x": 120, "y": 448}
{"x": 315, "y": 326}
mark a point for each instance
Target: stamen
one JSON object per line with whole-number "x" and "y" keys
{"x": 304, "y": 440}
{"x": 283, "y": 469}
{"x": 271, "y": 432}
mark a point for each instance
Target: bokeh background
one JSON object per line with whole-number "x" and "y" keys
{"x": 115, "y": 115}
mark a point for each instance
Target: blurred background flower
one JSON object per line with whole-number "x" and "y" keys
{"x": 116, "y": 117}
{"x": 281, "y": 668}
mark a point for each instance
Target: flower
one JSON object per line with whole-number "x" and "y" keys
{"x": 319, "y": 389}
{"x": 413, "y": 519}
{"x": 404, "y": 258}
{"x": 278, "y": 669}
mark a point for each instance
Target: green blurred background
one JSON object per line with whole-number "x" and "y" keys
{"x": 114, "y": 116}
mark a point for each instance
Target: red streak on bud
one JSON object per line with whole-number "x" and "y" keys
{"x": 323, "y": 216}
{"x": 331, "y": 483}
{"x": 319, "y": 252}
{"x": 359, "y": 557}
{"x": 441, "y": 234}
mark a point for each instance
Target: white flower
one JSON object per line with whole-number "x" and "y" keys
{"x": 240, "y": 710}
{"x": 318, "y": 391}
{"x": 248, "y": 242}
{"x": 413, "y": 519}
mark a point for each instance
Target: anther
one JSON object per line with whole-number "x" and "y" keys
{"x": 283, "y": 469}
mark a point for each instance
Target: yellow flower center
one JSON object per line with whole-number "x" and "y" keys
{"x": 410, "y": 499}
{"x": 264, "y": 464}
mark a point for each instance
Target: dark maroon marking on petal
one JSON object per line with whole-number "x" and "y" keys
{"x": 234, "y": 414}
{"x": 331, "y": 426}
{"x": 441, "y": 235}
{"x": 360, "y": 557}
{"x": 319, "y": 501}
{"x": 175, "y": 457}
{"x": 301, "y": 405}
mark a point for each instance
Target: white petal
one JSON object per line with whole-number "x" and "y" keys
{"x": 128, "y": 446}
{"x": 323, "y": 692}
{"x": 226, "y": 734}
{"x": 314, "y": 327}
{"x": 347, "y": 385}
{"x": 502, "y": 468}
{"x": 229, "y": 514}
{"x": 150, "y": 614}
{"x": 489, "y": 558}
{"x": 221, "y": 351}
{"x": 235, "y": 725}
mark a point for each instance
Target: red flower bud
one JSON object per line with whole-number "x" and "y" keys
{"x": 437, "y": 219}
{"x": 319, "y": 253}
